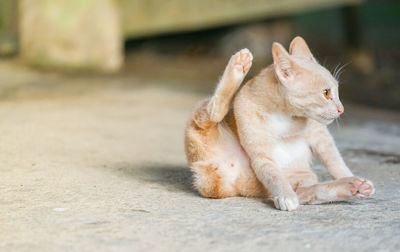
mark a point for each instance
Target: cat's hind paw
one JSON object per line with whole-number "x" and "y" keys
{"x": 240, "y": 63}
{"x": 243, "y": 60}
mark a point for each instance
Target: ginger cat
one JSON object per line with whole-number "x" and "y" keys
{"x": 259, "y": 142}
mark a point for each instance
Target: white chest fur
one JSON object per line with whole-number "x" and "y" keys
{"x": 279, "y": 124}
{"x": 287, "y": 152}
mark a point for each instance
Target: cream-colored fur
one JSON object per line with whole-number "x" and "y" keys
{"x": 259, "y": 141}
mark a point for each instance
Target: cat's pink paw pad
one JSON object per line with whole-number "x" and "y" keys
{"x": 361, "y": 188}
{"x": 242, "y": 61}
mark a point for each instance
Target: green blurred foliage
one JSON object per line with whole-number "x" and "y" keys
{"x": 379, "y": 19}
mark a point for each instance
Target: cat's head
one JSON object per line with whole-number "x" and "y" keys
{"x": 309, "y": 88}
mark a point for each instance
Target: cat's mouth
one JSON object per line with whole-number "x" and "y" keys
{"x": 325, "y": 120}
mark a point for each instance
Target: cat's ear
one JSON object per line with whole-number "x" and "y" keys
{"x": 299, "y": 47}
{"x": 284, "y": 66}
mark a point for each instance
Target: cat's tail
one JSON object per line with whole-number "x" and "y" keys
{"x": 213, "y": 110}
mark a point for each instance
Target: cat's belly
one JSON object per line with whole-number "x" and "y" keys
{"x": 229, "y": 155}
{"x": 292, "y": 154}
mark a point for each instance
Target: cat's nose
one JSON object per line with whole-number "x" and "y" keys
{"x": 340, "y": 110}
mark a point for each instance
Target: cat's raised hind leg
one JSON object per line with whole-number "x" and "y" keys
{"x": 208, "y": 146}
{"x": 218, "y": 106}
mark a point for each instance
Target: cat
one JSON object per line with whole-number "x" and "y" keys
{"x": 259, "y": 141}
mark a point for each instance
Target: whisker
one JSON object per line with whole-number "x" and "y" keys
{"x": 324, "y": 63}
{"x": 337, "y": 71}
{"x": 340, "y": 71}
{"x": 340, "y": 120}
{"x": 337, "y": 123}
{"x": 334, "y": 70}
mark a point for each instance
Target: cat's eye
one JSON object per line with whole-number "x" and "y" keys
{"x": 327, "y": 93}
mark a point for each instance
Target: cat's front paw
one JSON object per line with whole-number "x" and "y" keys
{"x": 286, "y": 203}
{"x": 361, "y": 188}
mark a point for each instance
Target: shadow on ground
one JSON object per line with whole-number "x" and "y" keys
{"x": 171, "y": 177}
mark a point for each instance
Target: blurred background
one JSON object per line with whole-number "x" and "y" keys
{"x": 191, "y": 41}
{"x": 95, "y": 94}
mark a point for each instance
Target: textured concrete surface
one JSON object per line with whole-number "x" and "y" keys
{"x": 96, "y": 163}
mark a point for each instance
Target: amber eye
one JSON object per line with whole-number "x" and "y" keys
{"x": 327, "y": 93}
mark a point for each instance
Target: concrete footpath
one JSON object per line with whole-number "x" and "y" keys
{"x": 96, "y": 163}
